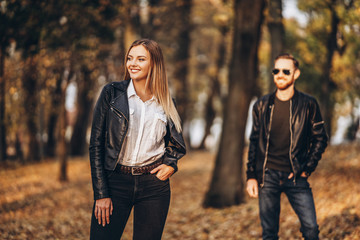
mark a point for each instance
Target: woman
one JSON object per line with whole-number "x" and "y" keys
{"x": 135, "y": 144}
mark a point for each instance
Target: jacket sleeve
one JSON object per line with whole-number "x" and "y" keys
{"x": 174, "y": 146}
{"x": 254, "y": 141}
{"x": 97, "y": 146}
{"x": 318, "y": 138}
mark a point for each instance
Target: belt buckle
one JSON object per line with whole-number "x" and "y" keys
{"x": 134, "y": 173}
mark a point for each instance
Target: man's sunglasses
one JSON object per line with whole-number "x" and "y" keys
{"x": 275, "y": 71}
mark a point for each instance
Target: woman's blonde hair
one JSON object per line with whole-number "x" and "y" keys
{"x": 157, "y": 81}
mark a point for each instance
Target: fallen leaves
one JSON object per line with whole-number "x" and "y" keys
{"x": 35, "y": 205}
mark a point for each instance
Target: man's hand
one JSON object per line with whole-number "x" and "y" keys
{"x": 103, "y": 210}
{"x": 303, "y": 174}
{"x": 252, "y": 188}
{"x": 163, "y": 172}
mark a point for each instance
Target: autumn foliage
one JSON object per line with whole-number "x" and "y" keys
{"x": 35, "y": 205}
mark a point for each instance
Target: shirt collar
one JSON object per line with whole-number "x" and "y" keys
{"x": 131, "y": 89}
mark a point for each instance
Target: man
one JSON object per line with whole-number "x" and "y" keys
{"x": 287, "y": 140}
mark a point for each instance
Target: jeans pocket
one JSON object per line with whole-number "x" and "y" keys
{"x": 158, "y": 179}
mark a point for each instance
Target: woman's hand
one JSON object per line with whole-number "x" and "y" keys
{"x": 163, "y": 172}
{"x": 103, "y": 210}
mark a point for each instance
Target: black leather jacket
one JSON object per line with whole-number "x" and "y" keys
{"x": 308, "y": 138}
{"x": 109, "y": 128}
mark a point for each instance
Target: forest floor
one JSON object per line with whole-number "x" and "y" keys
{"x": 35, "y": 205}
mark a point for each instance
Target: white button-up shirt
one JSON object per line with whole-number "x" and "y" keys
{"x": 144, "y": 142}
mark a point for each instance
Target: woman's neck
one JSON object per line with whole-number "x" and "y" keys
{"x": 141, "y": 90}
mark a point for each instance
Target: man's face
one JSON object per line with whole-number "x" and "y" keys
{"x": 285, "y": 73}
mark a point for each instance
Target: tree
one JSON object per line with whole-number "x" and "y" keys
{"x": 325, "y": 38}
{"x": 181, "y": 56}
{"x": 226, "y": 186}
{"x": 2, "y": 106}
{"x": 37, "y": 18}
{"x": 52, "y": 27}
{"x": 131, "y": 18}
{"x": 214, "y": 84}
{"x": 277, "y": 33}
{"x": 9, "y": 27}
{"x": 85, "y": 85}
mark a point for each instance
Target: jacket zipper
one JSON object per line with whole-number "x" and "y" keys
{"x": 119, "y": 114}
{"x": 318, "y": 123}
{"x": 291, "y": 134}
{"x": 267, "y": 146}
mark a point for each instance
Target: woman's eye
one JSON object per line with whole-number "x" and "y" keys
{"x": 141, "y": 59}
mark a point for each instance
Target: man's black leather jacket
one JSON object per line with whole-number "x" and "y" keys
{"x": 308, "y": 138}
{"x": 109, "y": 128}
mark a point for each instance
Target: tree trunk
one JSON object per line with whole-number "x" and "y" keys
{"x": 78, "y": 143}
{"x": 51, "y": 143}
{"x": 31, "y": 104}
{"x": 210, "y": 112}
{"x": 227, "y": 187}
{"x": 277, "y": 34}
{"x": 2, "y": 106}
{"x": 54, "y": 116}
{"x": 182, "y": 41}
{"x": 150, "y": 27}
{"x": 132, "y": 22}
{"x": 62, "y": 144}
{"x": 62, "y": 148}
{"x": 327, "y": 85}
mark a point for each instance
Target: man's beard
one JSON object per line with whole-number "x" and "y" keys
{"x": 286, "y": 86}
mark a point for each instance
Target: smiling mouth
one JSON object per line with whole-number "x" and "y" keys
{"x": 134, "y": 70}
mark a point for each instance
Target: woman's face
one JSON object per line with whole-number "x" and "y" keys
{"x": 138, "y": 63}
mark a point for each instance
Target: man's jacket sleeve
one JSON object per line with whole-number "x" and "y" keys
{"x": 318, "y": 138}
{"x": 253, "y": 146}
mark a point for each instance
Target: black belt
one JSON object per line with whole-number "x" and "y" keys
{"x": 138, "y": 170}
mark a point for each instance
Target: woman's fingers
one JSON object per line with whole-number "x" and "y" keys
{"x": 156, "y": 169}
{"x": 107, "y": 215}
{"x": 99, "y": 215}
{"x": 163, "y": 172}
{"x": 103, "y": 210}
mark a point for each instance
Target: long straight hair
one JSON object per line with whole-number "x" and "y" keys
{"x": 156, "y": 80}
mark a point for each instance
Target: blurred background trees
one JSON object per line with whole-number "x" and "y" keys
{"x": 55, "y": 56}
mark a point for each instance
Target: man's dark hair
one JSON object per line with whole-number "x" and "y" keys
{"x": 288, "y": 56}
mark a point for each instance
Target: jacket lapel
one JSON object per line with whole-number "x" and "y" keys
{"x": 120, "y": 99}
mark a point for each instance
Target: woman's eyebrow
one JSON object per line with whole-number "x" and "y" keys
{"x": 137, "y": 56}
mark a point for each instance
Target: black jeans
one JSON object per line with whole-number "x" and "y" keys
{"x": 150, "y": 198}
{"x": 300, "y": 198}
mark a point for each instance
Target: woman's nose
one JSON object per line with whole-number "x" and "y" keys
{"x": 131, "y": 62}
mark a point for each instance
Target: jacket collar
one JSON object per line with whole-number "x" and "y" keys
{"x": 122, "y": 85}
{"x": 120, "y": 101}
